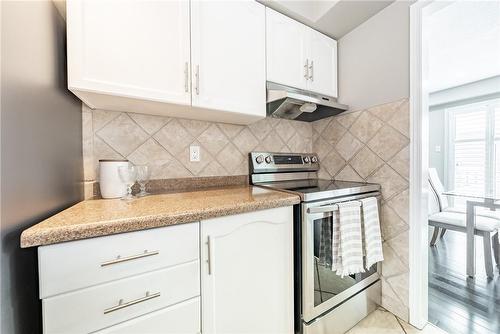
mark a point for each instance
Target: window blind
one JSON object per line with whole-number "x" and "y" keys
{"x": 474, "y": 155}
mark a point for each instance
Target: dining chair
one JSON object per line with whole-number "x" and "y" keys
{"x": 444, "y": 205}
{"x": 486, "y": 227}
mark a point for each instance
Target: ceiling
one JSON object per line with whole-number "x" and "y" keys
{"x": 464, "y": 43}
{"x": 334, "y": 18}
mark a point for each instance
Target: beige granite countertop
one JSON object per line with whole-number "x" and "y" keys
{"x": 101, "y": 217}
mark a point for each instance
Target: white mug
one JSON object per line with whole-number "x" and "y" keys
{"x": 109, "y": 180}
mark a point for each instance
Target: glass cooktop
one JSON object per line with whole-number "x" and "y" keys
{"x": 315, "y": 189}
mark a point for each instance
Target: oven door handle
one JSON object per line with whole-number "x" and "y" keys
{"x": 323, "y": 209}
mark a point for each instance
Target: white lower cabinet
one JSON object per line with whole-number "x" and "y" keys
{"x": 247, "y": 273}
{"x": 114, "y": 281}
{"x": 79, "y": 264}
{"x": 182, "y": 318}
{"x": 155, "y": 281}
{"x": 88, "y": 310}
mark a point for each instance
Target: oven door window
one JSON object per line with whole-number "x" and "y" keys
{"x": 327, "y": 284}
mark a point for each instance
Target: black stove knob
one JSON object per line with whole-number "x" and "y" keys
{"x": 314, "y": 159}
{"x": 259, "y": 159}
{"x": 306, "y": 159}
{"x": 268, "y": 159}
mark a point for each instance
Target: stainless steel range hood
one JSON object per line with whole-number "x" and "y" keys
{"x": 291, "y": 103}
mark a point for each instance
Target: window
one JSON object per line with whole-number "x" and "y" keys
{"x": 474, "y": 147}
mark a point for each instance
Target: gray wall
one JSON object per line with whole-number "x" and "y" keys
{"x": 374, "y": 59}
{"x": 41, "y": 156}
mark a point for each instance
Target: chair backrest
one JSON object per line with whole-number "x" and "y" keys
{"x": 432, "y": 201}
{"x": 438, "y": 188}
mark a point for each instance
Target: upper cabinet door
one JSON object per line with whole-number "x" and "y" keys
{"x": 286, "y": 52}
{"x": 128, "y": 48}
{"x": 322, "y": 55}
{"x": 229, "y": 58}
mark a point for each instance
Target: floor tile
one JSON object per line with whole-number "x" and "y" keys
{"x": 378, "y": 322}
{"x": 383, "y": 322}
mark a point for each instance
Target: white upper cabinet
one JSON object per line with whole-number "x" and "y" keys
{"x": 135, "y": 56}
{"x": 322, "y": 56}
{"x": 300, "y": 57}
{"x": 229, "y": 57}
{"x": 191, "y": 59}
{"x": 127, "y": 48}
{"x": 286, "y": 51}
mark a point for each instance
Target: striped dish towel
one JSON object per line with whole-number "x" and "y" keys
{"x": 325, "y": 243}
{"x": 372, "y": 239}
{"x": 351, "y": 245}
{"x": 336, "y": 259}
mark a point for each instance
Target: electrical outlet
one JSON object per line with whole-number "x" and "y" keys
{"x": 194, "y": 153}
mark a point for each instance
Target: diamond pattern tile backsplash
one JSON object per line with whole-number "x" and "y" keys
{"x": 373, "y": 145}
{"x": 164, "y": 142}
{"x": 367, "y": 145}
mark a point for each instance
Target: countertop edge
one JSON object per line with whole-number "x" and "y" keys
{"x": 35, "y": 238}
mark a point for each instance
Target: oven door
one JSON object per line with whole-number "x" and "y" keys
{"x": 323, "y": 289}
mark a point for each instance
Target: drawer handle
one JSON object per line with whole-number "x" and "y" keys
{"x": 186, "y": 80}
{"x": 120, "y": 259}
{"x": 122, "y": 305}
{"x": 197, "y": 76}
{"x": 311, "y": 67}
{"x": 209, "y": 255}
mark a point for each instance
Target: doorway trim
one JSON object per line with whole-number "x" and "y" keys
{"x": 418, "y": 251}
{"x": 419, "y": 153}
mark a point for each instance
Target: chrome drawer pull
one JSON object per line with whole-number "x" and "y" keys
{"x": 209, "y": 255}
{"x": 311, "y": 67}
{"x": 120, "y": 259}
{"x": 197, "y": 76}
{"x": 121, "y": 304}
{"x": 186, "y": 80}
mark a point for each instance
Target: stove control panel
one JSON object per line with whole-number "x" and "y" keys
{"x": 266, "y": 162}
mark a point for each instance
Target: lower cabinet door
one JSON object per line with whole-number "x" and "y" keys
{"x": 247, "y": 273}
{"x": 177, "y": 319}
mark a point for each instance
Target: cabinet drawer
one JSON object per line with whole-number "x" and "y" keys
{"x": 94, "y": 308}
{"x": 176, "y": 319}
{"x": 78, "y": 264}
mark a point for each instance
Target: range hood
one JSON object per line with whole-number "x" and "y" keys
{"x": 300, "y": 105}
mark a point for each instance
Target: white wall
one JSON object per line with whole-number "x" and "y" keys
{"x": 374, "y": 59}
{"x": 471, "y": 92}
{"x": 437, "y": 138}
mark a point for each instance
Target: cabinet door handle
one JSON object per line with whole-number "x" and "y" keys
{"x": 186, "y": 77}
{"x": 311, "y": 67}
{"x": 306, "y": 69}
{"x": 209, "y": 255}
{"x": 197, "y": 75}
{"x": 120, "y": 259}
{"x": 122, "y": 304}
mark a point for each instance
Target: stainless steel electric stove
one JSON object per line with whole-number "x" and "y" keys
{"x": 324, "y": 301}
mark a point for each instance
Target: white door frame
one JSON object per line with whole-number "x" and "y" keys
{"x": 419, "y": 153}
